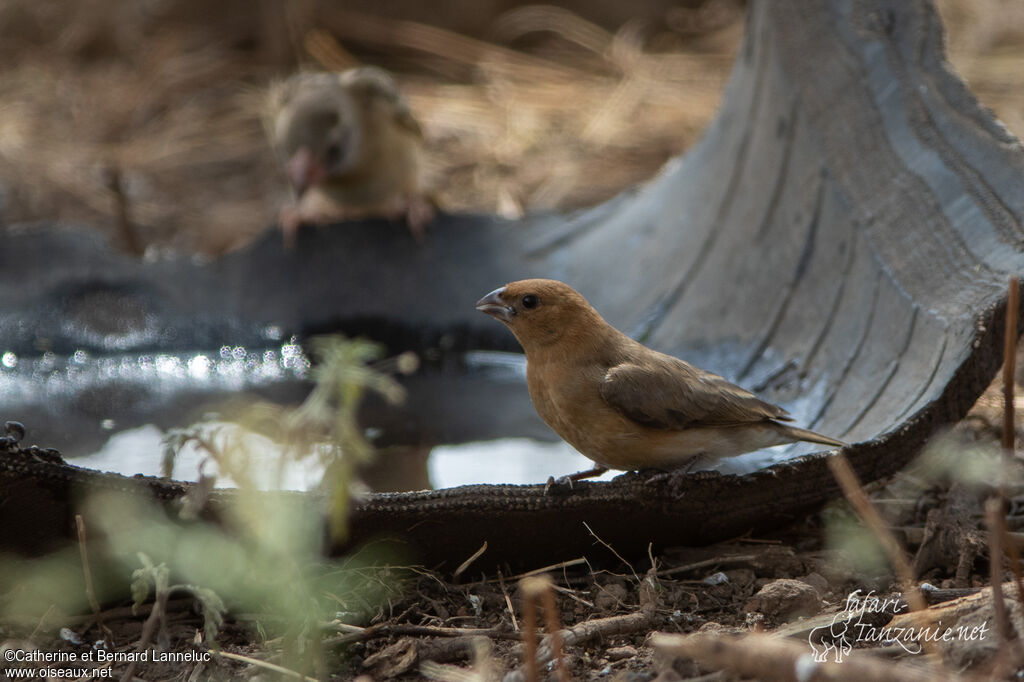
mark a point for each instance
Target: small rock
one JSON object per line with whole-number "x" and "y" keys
{"x": 719, "y": 578}
{"x": 785, "y": 599}
{"x": 718, "y": 629}
{"x": 754, "y": 622}
{"x": 741, "y": 577}
{"x": 817, "y": 581}
{"x": 69, "y": 635}
{"x": 618, "y": 653}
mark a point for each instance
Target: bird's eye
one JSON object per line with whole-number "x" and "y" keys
{"x": 530, "y": 301}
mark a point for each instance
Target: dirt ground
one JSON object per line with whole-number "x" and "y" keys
{"x": 145, "y": 119}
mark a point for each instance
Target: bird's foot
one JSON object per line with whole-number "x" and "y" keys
{"x": 563, "y": 485}
{"x": 655, "y": 476}
{"x": 671, "y": 481}
{"x": 675, "y": 479}
{"x": 558, "y": 486}
{"x": 660, "y": 475}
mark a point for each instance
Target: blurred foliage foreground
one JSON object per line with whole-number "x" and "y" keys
{"x": 263, "y": 556}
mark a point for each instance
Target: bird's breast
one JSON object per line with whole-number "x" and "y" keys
{"x": 567, "y": 397}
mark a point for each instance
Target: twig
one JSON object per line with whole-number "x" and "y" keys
{"x": 465, "y": 564}
{"x": 508, "y": 602}
{"x": 1009, "y": 425}
{"x": 530, "y": 637}
{"x": 539, "y": 589}
{"x": 768, "y": 658}
{"x": 612, "y": 550}
{"x": 715, "y": 561}
{"x": 1013, "y": 550}
{"x": 995, "y": 506}
{"x": 1009, "y": 642}
{"x": 358, "y": 634}
{"x": 157, "y": 614}
{"x": 948, "y": 612}
{"x": 90, "y": 591}
{"x": 264, "y": 664}
{"x": 42, "y": 620}
{"x": 316, "y": 652}
{"x": 554, "y": 629}
{"x": 915, "y": 536}
{"x": 643, "y": 620}
{"x": 545, "y": 569}
{"x": 855, "y": 494}
{"x": 571, "y": 594}
{"x": 993, "y": 515}
{"x": 1010, "y": 365}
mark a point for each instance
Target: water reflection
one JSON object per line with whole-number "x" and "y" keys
{"x": 507, "y": 460}
{"x": 118, "y": 406}
{"x": 49, "y": 375}
{"x": 75, "y": 402}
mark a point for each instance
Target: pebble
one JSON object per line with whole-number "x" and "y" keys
{"x": 618, "y": 653}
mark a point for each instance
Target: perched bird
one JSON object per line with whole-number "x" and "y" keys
{"x": 350, "y": 148}
{"x": 620, "y": 403}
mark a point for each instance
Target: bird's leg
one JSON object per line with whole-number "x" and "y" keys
{"x": 589, "y": 473}
{"x": 419, "y": 212}
{"x": 695, "y": 461}
{"x": 290, "y": 220}
{"x": 563, "y": 484}
{"x": 657, "y": 475}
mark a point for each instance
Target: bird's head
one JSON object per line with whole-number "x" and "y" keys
{"x": 318, "y": 133}
{"x": 542, "y": 312}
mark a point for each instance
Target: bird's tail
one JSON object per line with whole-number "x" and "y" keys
{"x": 812, "y": 437}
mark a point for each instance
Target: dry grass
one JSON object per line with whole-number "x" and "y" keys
{"x": 549, "y": 111}
{"x": 985, "y": 41}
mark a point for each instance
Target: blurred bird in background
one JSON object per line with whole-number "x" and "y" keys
{"x": 351, "y": 149}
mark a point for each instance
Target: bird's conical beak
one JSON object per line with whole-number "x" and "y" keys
{"x": 304, "y": 170}
{"x": 494, "y": 306}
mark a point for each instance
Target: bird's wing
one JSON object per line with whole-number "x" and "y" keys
{"x": 376, "y": 82}
{"x": 665, "y": 392}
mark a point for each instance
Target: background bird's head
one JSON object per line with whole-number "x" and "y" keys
{"x": 542, "y": 312}
{"x": 317, "y": 132}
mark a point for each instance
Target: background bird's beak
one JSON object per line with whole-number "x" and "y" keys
{"x": 494, "y": 306}
{"x": 304, "y": 170}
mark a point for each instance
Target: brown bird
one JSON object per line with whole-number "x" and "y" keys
{"x": 620, "y": 403}
{"x": 350, "y": 148}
